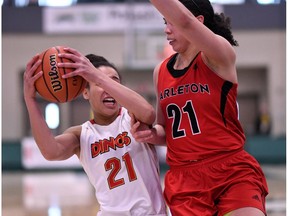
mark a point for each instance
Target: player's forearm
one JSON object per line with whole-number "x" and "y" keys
{"x": 42, "y": 134}
{"x": 180, "y": 14}
{"x": 130, "y": 99}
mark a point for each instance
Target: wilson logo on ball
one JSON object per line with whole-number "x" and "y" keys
{"x": 54, "y": 74}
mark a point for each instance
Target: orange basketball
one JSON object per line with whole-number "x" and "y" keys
{"x": 51, "y": 86}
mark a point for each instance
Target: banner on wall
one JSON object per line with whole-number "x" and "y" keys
{"x": 97, "y": 18}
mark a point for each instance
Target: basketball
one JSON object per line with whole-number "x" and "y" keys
{"x": 51, "y": 86}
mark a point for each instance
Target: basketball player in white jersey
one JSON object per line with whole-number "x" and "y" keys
{"x": 124, "y": 173}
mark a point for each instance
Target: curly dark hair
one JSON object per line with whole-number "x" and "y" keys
{"x": 218, "y": 23}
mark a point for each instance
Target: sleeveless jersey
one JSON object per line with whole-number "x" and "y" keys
{"x": 200, "y": 111}
{"x": 124, "y": 173}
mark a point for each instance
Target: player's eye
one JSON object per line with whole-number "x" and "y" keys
{"x": 117, "y": 79}
{"x": 165, "y": 22}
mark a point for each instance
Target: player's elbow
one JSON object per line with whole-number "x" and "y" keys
{"x": 146, "y": 114}
{"x": 150, "y": 116}
{"x": 49, "y": 156}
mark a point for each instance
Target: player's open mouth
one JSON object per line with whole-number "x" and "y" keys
{"x": 170, "y": 40}
{"x": 109, "y": 100}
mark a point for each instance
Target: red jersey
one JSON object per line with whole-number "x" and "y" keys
{"x": 200, "y": 111}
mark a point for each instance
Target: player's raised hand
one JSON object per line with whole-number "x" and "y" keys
{"x": 81, "y": 65}
{"x": 29, "y": 78}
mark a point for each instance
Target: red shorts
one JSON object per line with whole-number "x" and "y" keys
{"x": 216, "y": 186}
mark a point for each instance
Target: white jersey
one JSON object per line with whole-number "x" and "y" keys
{"x": 124, "y": 173}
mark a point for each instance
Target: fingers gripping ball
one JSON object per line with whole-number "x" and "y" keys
{"x": 51, "y": 86}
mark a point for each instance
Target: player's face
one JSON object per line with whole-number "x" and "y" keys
{"x": 178, "y": 42}
{"x": 104, "y": 106}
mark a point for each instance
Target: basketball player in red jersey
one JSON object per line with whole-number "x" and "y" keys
{"x": 210, "y": 172}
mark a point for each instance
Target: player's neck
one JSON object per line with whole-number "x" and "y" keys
{"x": 183, "y": 60}
{"x": 105, "y": 120}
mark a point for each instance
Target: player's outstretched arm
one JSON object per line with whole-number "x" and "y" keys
{"x": 128, "y": 98}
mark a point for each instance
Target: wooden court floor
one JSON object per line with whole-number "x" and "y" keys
{"x": 70, "y": 193}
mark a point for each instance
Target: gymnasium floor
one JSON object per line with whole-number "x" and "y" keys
{"x": 70, "y": 194}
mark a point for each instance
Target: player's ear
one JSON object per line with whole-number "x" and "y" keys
{"x": 200, "y": 18}
{"x": 85, "y": 93}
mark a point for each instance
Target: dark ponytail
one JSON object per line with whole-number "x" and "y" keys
{"x": 218, "y": 23}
